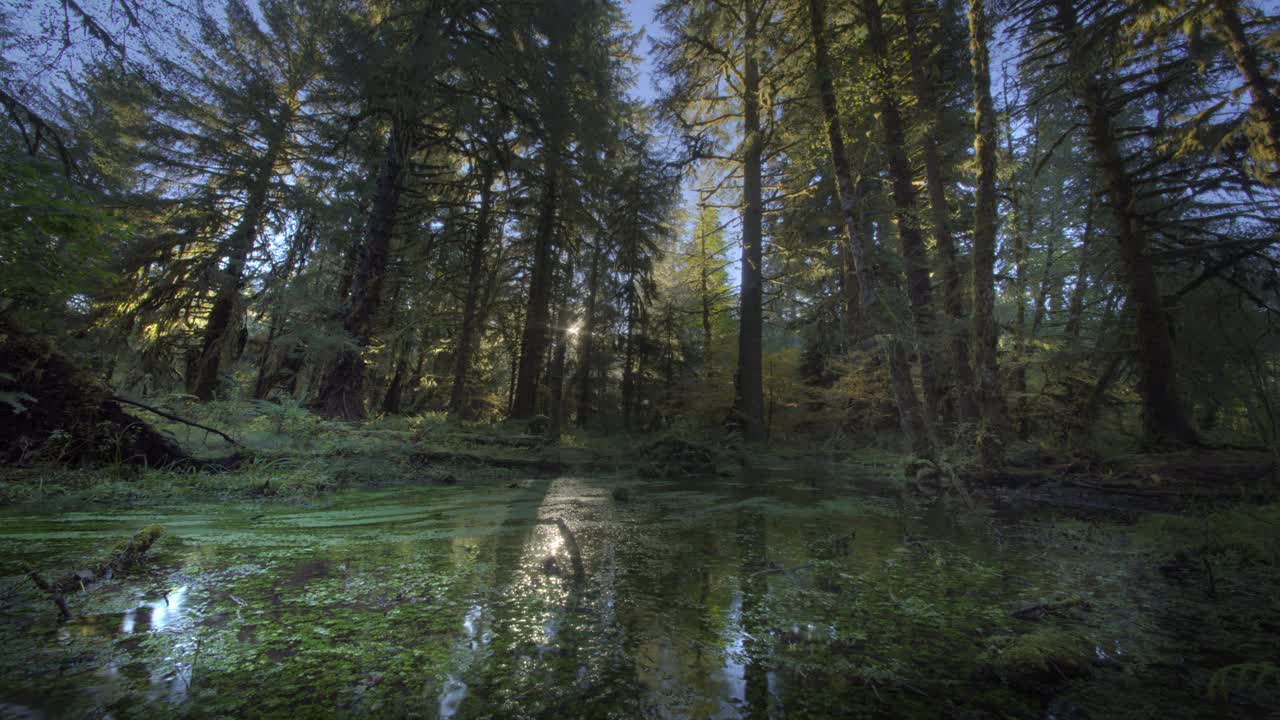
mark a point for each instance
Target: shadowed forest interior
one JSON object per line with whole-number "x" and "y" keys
{"x": 593, "y": 358}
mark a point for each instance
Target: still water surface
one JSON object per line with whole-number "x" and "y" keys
{"x": 776, "y": 593}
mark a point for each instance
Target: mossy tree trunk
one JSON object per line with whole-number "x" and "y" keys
{"x": 238, "y": 247}
{"x": 990, "y": 399}
{"x": 915, "y": 258}
{"x": 537, "y": 331}
{"x": 342, "y": 394}
{"x": 1164, "y": 418}
{"x": 749, "y": 382}
{"x": 857, "y": 244}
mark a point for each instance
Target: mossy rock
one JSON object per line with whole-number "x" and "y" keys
{"x": 1044, "y": 657}
{"x": 441, "y": 477}
{"x": 670, "y": 456}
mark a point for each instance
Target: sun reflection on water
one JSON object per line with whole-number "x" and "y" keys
{"x": 156, "y": 614}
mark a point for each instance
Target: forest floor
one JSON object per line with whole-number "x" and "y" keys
{"x": 286, "y": 452}
{"x": 651, "y": 576}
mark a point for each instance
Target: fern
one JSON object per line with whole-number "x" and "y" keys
{"x": 15, "y": 400}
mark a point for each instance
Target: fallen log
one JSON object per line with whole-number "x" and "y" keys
{"x": 1038, "y": 611}
{"x": 125, "y": 556}
{"x": 515, "y": 441}
{"x": 535, "y": 464}
{"x": 175, "y": 418}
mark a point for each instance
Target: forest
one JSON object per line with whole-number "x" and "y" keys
{"x": 640, "y": 359}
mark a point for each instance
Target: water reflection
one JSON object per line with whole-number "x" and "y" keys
{"x": 155, "y": 615}
{"x": 473, "y": 638}
{"x": 680, "y": 611}
{"x": 734, "y": 673}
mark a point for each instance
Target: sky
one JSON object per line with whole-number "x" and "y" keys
{"x": 640, "y": 12}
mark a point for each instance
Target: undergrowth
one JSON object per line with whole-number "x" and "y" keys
{"x": 285, "y": 451}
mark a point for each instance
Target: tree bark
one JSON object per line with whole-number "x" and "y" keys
{"x": 749, "y": 395}
{"x": 342, "y": 394}
{"x": 1022, "y": 224}
{"x": 1165, "y": 422}
{"x": 992, "y": 424}
{"x": 395, "y": 389}
{"x": 533, "y": 341}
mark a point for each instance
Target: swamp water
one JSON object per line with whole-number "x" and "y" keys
{"x": 781, "y": 593}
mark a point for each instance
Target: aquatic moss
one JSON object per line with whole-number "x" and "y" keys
{"x": 1249, "y": 531}
{"x": 1044, "y": 656}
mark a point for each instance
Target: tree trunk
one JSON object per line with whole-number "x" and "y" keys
{"x": 587, "y": 351}
{"x": 1021, "y": 235}
{"x": 1046, "y": 286}
{"x": 704, "y": 289}
{"x": 1165, "y": 421}
{"x": 628, "y": 360}
{"x": 556, "y": 404}
{"x": 395, "y": 389}
{"x": 914, "y": 258}
{"x": 533, "y": 341}
{"x": 992, "y": 423}
{"x": 1075, "y": 311}
{"x": 342, "y": 394}
{"x": 239, "y": 245}
{"x": 294, "y": 264}
{"x": 476, "y": 250}
{"x": 958, "y": 371}
{"x": 749, "y": 395}
{"x": 857, "y": 244}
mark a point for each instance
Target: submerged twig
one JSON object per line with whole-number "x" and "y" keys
{"x": 191, "y": 674}
{"x": 58, "y": 598}
{"x": 9, "y": 591}
{"x": 575, "y": 553}
{"x": 1213, "y": 584}
{"x": 782, "y": 570}
{"x": 958, "y": 484}
{"x": 1039, "y": 610}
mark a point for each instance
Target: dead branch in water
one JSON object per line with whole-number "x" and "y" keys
{"x": 575, "y": 553}
{"x": 124, "y": 557}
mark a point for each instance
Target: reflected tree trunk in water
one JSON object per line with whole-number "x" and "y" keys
{"x": 754, "y": 588}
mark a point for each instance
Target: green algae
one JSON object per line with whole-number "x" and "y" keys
{"x": 701, "y": 598}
